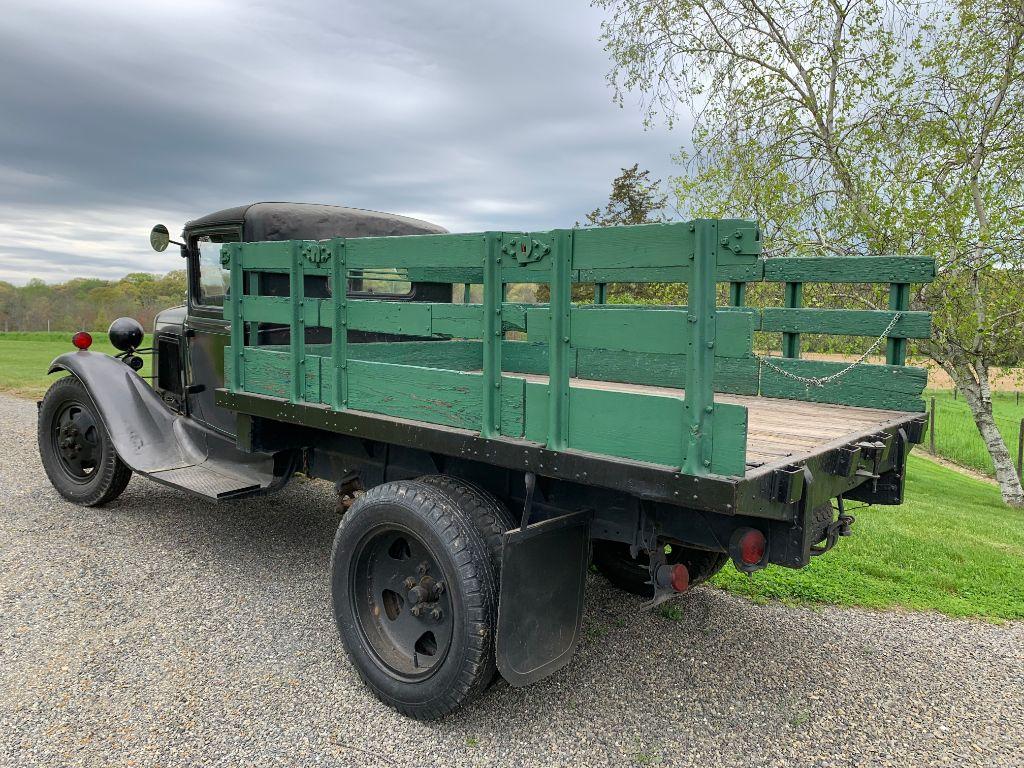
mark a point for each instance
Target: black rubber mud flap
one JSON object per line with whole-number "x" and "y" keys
{"x": 543, "y": 571}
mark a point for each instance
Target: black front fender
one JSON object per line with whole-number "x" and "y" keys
{"x": 142, "y": 428}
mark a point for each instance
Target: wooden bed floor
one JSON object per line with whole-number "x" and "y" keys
{"x": 778, "y": 431}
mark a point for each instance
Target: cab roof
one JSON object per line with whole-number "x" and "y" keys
{"x": 311, "y": 221}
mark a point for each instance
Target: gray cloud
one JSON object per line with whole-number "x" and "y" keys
{"x": 471, "y": 115}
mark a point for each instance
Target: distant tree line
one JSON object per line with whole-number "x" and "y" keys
{"x": 88, "y": 303}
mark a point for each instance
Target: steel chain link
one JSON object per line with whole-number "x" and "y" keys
{"x": 821, "y": 381}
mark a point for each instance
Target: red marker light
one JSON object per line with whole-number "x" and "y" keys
{"x": 82, "y": 340}
{"x": 680, "y": 577}
{"x": 752, "y": 547}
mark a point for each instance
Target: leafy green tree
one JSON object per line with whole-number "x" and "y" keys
{"x": 858, "y": 127}
{"x": 634, "y": 199}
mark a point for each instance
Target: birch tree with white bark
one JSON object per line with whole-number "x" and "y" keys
{"x": 857, "y": 127}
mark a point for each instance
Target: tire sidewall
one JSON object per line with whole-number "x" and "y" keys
{"x": 374, "y": 512}
{"x": 63, "y": 392}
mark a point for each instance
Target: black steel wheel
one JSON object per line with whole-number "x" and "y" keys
{"x": 415, "y": 598}
{"x": 613, "y": 560}
{"x": 77, "y": 453}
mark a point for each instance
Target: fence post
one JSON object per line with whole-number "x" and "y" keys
{"x": 1020, "y": 451}
{"x": 931, "y": 427}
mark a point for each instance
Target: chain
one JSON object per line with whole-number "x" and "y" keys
{"x": 816, "y": 381}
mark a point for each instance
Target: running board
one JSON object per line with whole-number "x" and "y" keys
{"x": 206, "y": 481}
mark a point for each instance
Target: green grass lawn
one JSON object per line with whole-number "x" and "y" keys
{"x": 956, "y": 436}
{"x": 25, "y": 358}
{"x": 952, "y": 547}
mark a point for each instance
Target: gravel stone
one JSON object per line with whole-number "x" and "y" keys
{"x": 164, "y": 630}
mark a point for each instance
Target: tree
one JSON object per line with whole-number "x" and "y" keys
{"x": 634, "y": 199}
{"x": 858, "y": 127}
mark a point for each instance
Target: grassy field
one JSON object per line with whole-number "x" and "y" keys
{"x": 25, "y": 358}
{"x": 952, "y": 547}
{"x": 956, "y": 436}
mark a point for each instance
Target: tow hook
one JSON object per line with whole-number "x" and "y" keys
{"x": 838, "y": 527}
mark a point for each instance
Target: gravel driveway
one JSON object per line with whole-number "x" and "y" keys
{"x": 167, "y": 631}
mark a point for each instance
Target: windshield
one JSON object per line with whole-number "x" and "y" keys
{"x": 213, "y": 279}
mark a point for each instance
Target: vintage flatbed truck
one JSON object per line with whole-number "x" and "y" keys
{"x": 494, "y": 448}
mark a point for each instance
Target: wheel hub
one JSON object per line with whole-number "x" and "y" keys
{"x": 403, "y": 608}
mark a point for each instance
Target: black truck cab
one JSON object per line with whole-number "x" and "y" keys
{"x": 189, "y": 341}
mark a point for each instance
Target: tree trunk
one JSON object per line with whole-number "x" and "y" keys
{"x": 980, "y": 402}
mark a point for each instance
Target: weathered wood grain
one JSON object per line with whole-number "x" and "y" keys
{"x": 862, "y": 269}
{"x": 846, "y": 322}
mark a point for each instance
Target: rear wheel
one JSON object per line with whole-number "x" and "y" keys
{"x": 76, "y": 450}
{"x": 415, "y": 598}
{"x": 613, "y": 560}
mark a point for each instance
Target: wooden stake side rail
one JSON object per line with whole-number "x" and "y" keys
{"x": 469, "y": 381}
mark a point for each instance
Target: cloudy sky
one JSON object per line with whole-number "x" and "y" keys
{"x": 474, "y": 115}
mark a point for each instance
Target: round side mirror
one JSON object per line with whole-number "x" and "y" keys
{"x": 159, "y": 238}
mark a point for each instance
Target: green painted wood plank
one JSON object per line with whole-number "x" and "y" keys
{"x": 270, "y": 373}
{"x": 297, "y": 334}
{"x": 638, "y": 426}
{"x": 648, "y": 329}
{"x": 460, "y": 320}
{"x": 338, "y": 321}
{"x": 867, "y": 386}
{"x": 491, "y": 336}
{"x": 451, "y": 355}
{"x": 661, "y": 245}
{"x": 862, "y": 269}
{"x": 411, "y": 318}
{"x": 278, "y": 309}
{"x": 734, "y": 375}
{"x": 697, "y": 426}
{"x": 745, "y": 272}
{"x": 432, "y": 395}
{"x": 276, "y": 256}
{"x": 846, "y": 322}
{"x": 729, "y": 441}
{"x": 664, "y": 331}
{"x": 438, "y": 251}
{"x": 896, "y": 344}
{"x": 559, "y": 371}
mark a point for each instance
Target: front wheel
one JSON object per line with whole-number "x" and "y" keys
{"x": 75, "y": 448}
{"x": 415, "y": 598}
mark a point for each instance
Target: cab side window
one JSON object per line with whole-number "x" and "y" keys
{"x": 212, "y": 279}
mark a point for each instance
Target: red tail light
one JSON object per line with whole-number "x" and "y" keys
{"x": 752, "y": 547}
{"x": 82, "y": 340}
{"x": 747, "y": 548}
{"x": 680, "y": 577}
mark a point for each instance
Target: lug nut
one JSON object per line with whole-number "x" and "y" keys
{"x": 416, "y": 610}
{"x": 436, "y": 614}
{"x": 410, "y": 583}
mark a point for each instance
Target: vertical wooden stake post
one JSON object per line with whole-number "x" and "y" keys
{"x": 700, "y": 359}
{"x": 558, "y": 341}
{"x": 339, "y": 326}
{"x": 491, "y": 426}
